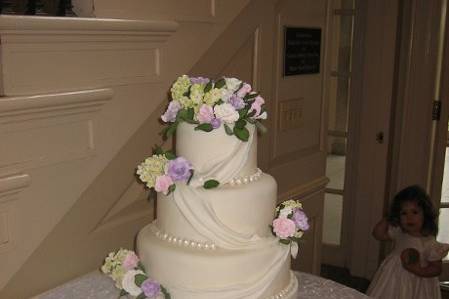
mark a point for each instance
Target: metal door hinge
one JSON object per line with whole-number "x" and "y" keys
{"x": 436, "y": 110}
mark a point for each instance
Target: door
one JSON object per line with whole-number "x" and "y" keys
{"x": 361, "y": 123}
{"x": 439, "y": 179}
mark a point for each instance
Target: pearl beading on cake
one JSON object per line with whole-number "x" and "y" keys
{"x": 180, "y": 241}
{"x": 246, "y": 179}
{"x": 285, "y": 292}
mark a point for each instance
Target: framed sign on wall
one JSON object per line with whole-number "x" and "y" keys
{"x": 302, "y": 48}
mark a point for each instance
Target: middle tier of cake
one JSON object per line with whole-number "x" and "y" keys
{"x": 247, "y": 209}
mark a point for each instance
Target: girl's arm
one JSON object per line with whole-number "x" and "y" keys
{"x": 380, "y": 231}
{"x": 433, "y": 269}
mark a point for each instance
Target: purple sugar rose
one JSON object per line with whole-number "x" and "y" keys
{"x": 236, "y": 102}
{"x": 300, "y": 219}
{"x": 215, "y": 122}
{"x": 172, "y": 111}
{"x": 179, "y": 169}
{"x": 199, "y": 80}
{"x": 151, "y": 288}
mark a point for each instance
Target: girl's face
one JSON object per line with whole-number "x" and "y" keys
{"x": 411, "y": 217}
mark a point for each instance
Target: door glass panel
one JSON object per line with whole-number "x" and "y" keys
{"x": 445, "y": 187}
{"x": 338, "y": 108}
{"x": 332, "y": 218}
{"x": 443, "y": 225}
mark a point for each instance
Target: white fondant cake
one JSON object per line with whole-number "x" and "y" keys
{"x": 216, "y": 243}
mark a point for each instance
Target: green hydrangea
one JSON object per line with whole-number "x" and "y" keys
{"x": 186, "y": 102}
{"x": 151, "y": 168}
{"x": 213, "y": 96}
{"x": 197, "y": 94}
{"x": 180, "y": 87}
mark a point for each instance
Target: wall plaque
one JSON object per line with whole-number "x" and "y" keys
{"x": 301, "y": 50}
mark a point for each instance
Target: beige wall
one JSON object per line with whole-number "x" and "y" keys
{"x": 104, "y": 207}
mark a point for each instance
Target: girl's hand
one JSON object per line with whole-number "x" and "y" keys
{"x": 409, "y": 256}
{"x": 410, "y": 262}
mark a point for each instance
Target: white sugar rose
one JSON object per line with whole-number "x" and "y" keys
{"x": 226, "y": 112}
{"x": 232, "y": 83}
{"x": 128, "y": 282}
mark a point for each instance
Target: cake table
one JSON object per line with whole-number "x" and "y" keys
{"x": 95, "y": 285}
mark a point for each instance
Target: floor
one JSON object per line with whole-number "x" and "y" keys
{"x": 342, "y": 276}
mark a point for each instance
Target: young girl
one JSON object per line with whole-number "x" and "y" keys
{"x": 411, "y": 270}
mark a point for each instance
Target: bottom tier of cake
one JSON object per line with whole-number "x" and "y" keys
{"x": 192, "y": 271}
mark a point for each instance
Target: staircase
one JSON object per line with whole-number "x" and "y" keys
{"x": 76, "y": 95}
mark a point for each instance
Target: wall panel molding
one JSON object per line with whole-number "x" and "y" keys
{"x": 26, "y": 108}
{"x": 12, "y": 185}
{"x": 79, "y": 53}
{"x": 45, "y": 129}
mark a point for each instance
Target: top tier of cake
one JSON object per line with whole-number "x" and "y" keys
{"x": 216, "y": 149}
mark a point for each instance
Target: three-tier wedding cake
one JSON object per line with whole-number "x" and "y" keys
{"x": 218, "y": 233}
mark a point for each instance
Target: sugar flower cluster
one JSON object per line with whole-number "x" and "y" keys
{"x": 129, "y": 275}
{"x": 290, "y": 223}
{"x": 227, "y": 102}
{"x": 163, "y": 169}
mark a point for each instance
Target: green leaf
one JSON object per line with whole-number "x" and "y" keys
{"x": 170, "y": 130}
{"x": 141, "y": 296}
{"x": 243, "y": 112}
{"x": 294, "y": 239}
{"x": 190, "y": 177}
{"x": 123, "y": 293}
{"x": 241, "y": 123}
{"x": 172, "y": 188}
{"x": 187, "y": 93}
{"x": 157, "y": 150}
{"x": 251, "y": 113}
{"x": 183, "y": 114}
{"x": 250, "y": 96}
{"x": 220, "y": 83}
{"x": 139, "y": 279}
{"x": 251, "y": 121}
{"x": 190, "y": 113}
{"x": 241, "y": 133}
{"x": 169, "y": 155}
{"x": 204, "y": 127}
{"x": 228, "y": 130}
{"x": 165, "y": 292}
{"x": 141, "y": 266}
{"x": 211, "y": 184}
{"x": 208, "y": 87}
{"x": 285, "y": 241}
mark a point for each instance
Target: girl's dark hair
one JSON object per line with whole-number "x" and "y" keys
{"x": 416, "y": 194}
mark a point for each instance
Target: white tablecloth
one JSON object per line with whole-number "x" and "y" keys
{"x": 98, "y": 286}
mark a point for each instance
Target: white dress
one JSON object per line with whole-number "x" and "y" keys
{"x": 392, "y": 281}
